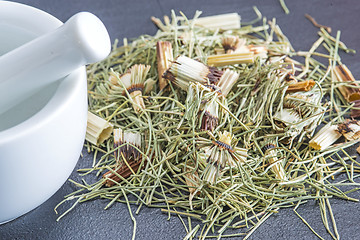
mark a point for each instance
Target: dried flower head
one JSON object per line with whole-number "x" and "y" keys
{"x": 202, "y": 106}
{"x": 301, "y": 113}
{"x": 286, "y": 117}
{"x": 133, "y": 81}
{"x": 184, "y": 71}
{"x": 210, "y": 116}
{"x": 221, "y": 155}
{"x": 124, "y": 171}
{"x": 127, "y": 144}
{"x": 192, "y": 180}
{"x": 304, "y": 102}
{"x": 232, "y": 43}
{"x": 127, "y": 155}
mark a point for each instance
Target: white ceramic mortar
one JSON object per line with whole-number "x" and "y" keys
{"x": 41, "y": 139}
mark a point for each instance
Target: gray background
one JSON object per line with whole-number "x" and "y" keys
{"x": 132, "y": 18}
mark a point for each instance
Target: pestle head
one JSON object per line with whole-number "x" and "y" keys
{"x": 24, "y": 71}
{"x": 91, "y": 36}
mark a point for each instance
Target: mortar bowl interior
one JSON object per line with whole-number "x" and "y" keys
{"x": 42, "y": 137}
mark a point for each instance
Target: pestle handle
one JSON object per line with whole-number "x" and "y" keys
{"x": 83, "y": 39}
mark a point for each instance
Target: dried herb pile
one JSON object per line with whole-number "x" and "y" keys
{"x": 235, "y": 130}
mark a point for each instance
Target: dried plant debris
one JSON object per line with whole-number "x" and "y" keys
{"x": 301, "y": 86}
{"x": 358, "y": 149}
{"x": 217, "y": 122}
{"x": 314, "y": 22}
{"x": 350, "y": 129}
{"x": 270, "y": 155}
{"x": 350, "y": 91}
{"x": 355, "y": 110}
{"x": 164, "y": 56}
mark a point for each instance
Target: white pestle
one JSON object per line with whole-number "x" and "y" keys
{"x": 83, "y": 39}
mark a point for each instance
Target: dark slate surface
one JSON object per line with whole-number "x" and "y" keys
{"x": 130, "y": 19}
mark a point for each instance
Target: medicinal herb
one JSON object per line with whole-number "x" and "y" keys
{"x": 218, "y": 123}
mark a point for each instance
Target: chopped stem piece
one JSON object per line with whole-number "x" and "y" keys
{"x": 271, "y": 157}
{"x": 221, "y": 21}
{"x": 192, "y": 180}
{"x": 138, "y": 99}
{"x": 301, "y": 86}
{"x": 227, "y": 81}
{"x": 343, "y": 74}
{"x": 164, "y": 54}
{"x": 230, "y": 59}
{"x": 97, "y": 129}
{"x": 325, "y": 137}
{"x": 259, "y": 51}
